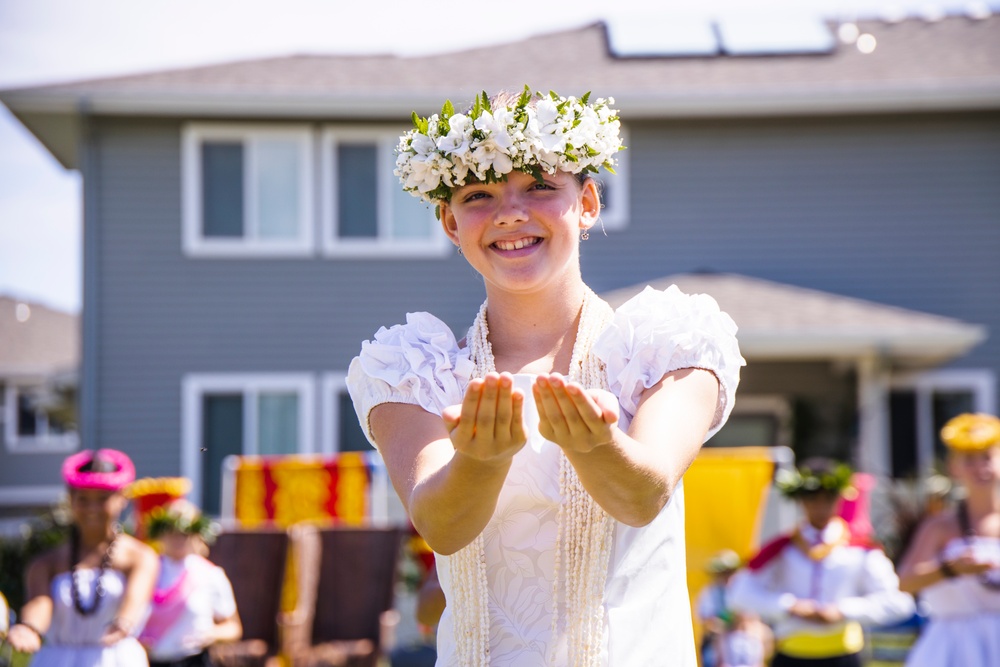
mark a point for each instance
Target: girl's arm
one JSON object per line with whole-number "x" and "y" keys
{"x": 36, "y": 614}
{"x": 448, "y": 471}
{"x": 227, "y": 629}
{"x": 141, "y": 567}
{"x": 630, "y": 474}
{"x": 920, "y": 566}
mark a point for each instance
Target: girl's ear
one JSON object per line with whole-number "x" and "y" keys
{"x": 590, "y": 200}
{"x": 448, "y": 222}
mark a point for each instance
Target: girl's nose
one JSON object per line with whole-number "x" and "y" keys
{"x": 511, "y": 210}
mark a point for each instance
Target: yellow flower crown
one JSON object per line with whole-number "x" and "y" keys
{"x": 971, "y": 432}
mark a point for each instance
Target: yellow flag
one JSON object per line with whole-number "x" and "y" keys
{"x": 725, "y": 492}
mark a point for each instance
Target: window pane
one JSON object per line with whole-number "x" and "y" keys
{"x": 276, "y": 181}
{"x": 948, "y": 404}
{"x": 278, "y": 423}
{"x": 221, "y": 436}
{"x": 351, "y": 438}
{"x": 222, "y": 189}
{"x": 903, "y": 432}
{"x": 357, "y": 208}
{"x": 747, "y": 431}
{"x": 411, "y": 218}
{"x": 27, "y": 420}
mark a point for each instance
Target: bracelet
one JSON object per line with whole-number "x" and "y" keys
{"x": 121, "y": 624}
{"x": 946, "y": 570}
{"x": 32, "y": 628}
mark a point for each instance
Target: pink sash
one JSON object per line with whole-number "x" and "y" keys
{"x": 168, "y": 604}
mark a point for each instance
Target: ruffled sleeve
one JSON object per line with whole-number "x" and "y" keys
{"x": 419, "y": 363}
{"x": 655, "y": 333}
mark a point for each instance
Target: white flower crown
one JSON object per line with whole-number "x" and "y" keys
{"x": 557, "y": 133}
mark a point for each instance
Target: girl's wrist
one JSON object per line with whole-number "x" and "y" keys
{"x": 946, "y": 570}
{"x": 122, "y": 625}
{"x": 31, "y": 627}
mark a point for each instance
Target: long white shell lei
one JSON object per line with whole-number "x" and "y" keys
{"x": 583, "y": 545}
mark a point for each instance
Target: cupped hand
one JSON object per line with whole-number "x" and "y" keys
{"x": 24, "y": 639}
{"x": 488, "y": 425}
{"x": 575, "y": 418}
{"x": 969, "y": 563}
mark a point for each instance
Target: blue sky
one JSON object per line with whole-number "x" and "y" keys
{"x": 45, "y": 41}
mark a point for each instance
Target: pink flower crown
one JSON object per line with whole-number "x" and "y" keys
{"x": 116, "y": 480}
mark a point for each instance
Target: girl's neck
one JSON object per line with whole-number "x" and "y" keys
{"x": 534, "y": 332}
{"x": 982, "y": 501}
{"x": 95, "y": 539}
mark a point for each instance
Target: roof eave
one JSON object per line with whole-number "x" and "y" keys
{"x": 54, "y": 116}
{"x": 930, "y": 348}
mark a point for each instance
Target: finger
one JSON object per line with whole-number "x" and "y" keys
{"x": 504, "y": 407}
{"x": 574, "y": 414}
{"x": 550, "y": 419}
{"x": 466, "y": 427}
{"x": 487, "y": 412}
{"x": 517, "y": 417}
{"x": 451, "y": 416}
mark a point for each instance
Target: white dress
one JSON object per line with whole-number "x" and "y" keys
{"x": 964, "y": 627}
{"x": 74, "y": 640}
{"x": 647, "y": 611}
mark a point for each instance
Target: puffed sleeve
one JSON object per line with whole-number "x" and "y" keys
{"x": 657, "y": 332}
{"x": 419, "y": 363}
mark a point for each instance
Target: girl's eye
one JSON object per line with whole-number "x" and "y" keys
{"x": 541, "y": 186}
{"x": 472, "y": 196}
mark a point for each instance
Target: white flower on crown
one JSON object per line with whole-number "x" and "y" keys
{"x": 556, "y": 134}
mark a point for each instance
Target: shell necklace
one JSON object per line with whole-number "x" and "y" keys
{"x": 583, "y": 543}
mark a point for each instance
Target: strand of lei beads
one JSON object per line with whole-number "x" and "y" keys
{"x": 99, "y": 583}
{"x": 583, "y": 534}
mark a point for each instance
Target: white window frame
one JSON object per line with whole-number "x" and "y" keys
{"x": 196, "y": 385}
{"x": 980, "y": 382}
{"x": 197, "y": 245}
{"x": 384, "y": 244}
{"x": 615, "y": 218}
{"x": 41, "y": 443}
{"x": 334, "y": 383}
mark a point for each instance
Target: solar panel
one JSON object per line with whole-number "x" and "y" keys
{"x": 661, "y": 36}
{"x": 771, "y": 35}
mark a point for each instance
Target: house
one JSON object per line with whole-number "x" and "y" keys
{"x": 39, "y": 360}
{"x": 244, "y": 231}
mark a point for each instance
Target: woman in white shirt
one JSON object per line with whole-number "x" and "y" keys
{"x": 193, "y": 605}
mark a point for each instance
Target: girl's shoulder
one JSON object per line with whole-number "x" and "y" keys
{"x": 52, "y": 561}
{"x": 130, "y": 552}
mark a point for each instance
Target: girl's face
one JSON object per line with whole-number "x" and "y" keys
{"x": 819, "y": 507}
{"x": 177, "y": 545}
{"x": 94, "y": 509}
{"x": 974, "y": 469}
{"x": 519, "y": 234}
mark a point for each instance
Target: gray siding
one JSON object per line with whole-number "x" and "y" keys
{"x": 901, "y": 210}
{"x": 898, "y": 210}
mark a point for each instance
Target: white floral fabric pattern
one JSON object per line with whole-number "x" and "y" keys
{"x": 647, "y": 610}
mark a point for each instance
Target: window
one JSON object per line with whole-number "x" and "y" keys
{"x": 247, "y": 190}
{"x": 225, "y": 415}
{"x": 756, "y": 421}
{"x": 341, "y": 430}
{"x": 37, "y": 419}
{"x": 919, "y": 405}
{"x": 365, "y": 211}
{"x": 615, "y": 192}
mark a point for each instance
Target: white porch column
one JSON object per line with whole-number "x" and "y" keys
{"x": 873, "y": 415}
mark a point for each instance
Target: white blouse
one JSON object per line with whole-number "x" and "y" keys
{"x": 647, "y": 609}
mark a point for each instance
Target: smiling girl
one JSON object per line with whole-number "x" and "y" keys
{"x": 541, "y": 456}
{"x": 88, "y": 598}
